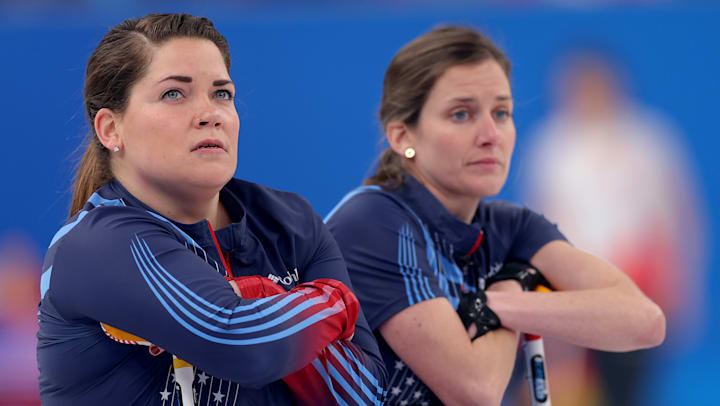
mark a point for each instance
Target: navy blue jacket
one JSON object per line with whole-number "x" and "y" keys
{"x": 119, "y": 262}
{"x": 403, "y": 247}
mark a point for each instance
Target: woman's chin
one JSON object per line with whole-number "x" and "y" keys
{"x": 487, "y": 189}
{"x": 209, "y": 181}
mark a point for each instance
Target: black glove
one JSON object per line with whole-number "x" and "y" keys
{"x": 473, "y": 309}
{"x": 528, "y": 276}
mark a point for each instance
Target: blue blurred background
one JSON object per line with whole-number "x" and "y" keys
{"x": 309, "y": 79}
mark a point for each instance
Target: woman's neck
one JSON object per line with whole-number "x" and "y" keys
{"x": 462, "y": 207}
{"x": 183, "y": 206}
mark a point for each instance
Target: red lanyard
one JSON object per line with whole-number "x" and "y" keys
{"x": 225, "y": 261}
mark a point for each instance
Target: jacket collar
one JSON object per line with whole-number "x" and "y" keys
{"x": 199, "y": 230}
{"x": 461, "y": 236}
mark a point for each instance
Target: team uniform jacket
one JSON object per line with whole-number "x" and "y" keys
{"x": 119, "y": 262}
{"x": 403, "y": 247}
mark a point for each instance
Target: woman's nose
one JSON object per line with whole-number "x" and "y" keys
{"x": 487, "y": 131}
{"x": 208, "y": 116}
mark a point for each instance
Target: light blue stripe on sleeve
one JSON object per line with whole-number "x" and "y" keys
{"x": 426, "y": 284}
{"x": 348, "y": 197}
{"x": 363, "y": 369}
{"x": 301, "y": 325}
{"x": 67, "y": 227}
{"x": 225, "y": 320}
{"x": 350, "y": 371}
{"x": 200, "y": 299}
{"x": 418, "y": 271}
{"x": 157, "y": 268}
{"x": 410, "y": 260}
{"x": 187, "y": 237}
{"x": 98, "y": 200}
{"x": 321, "y": 370}
{"x": 401, "y": 268}
{"x": 45, "y": 282}
{"x": 408, "y": 264}
{"x": 344, "y": 384}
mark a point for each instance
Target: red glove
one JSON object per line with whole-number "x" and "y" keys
{"x": 307, "y": 385}
{"x": 352, "y": 305}
{"x": 255, "y": 287}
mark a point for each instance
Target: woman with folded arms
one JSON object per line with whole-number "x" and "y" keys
{"x": 426, "y": 251}
{"x": 158, "y": 226}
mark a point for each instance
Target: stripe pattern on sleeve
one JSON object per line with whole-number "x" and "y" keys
{"x": 336, "y": 377}
{"x": 417, "y": 286}
{"x": 265, "y": 320}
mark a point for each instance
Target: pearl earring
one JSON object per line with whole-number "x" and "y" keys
{"x": 409, "y": 152}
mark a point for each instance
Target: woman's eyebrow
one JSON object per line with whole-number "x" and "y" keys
{"x": 188, "y": 79}
{"x": 463, "y": 99}
{"x": 179, "y": 78}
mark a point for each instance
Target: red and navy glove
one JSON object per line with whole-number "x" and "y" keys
{"x": 307, "y": 385}
{"x": 256, "y": 287}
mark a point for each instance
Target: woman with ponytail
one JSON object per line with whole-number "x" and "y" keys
{"x": 158, "y": 227}
{"x": 427, "y": 253}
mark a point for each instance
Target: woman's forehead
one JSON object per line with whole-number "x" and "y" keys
{"x": 185, "y": 56}
{"x": 470, "y": 81}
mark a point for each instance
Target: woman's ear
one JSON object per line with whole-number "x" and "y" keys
{"x": 399, "y": 136}
{"x": 106, "y": 125}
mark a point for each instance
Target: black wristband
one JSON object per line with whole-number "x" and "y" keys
{"x": 528, "y": 277}
{"x": 473, "y": 309}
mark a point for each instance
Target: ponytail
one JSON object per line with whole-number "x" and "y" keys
{"x": 389, "y": 172}
{"x": 411, "y": 76}
{"x": 119, "y": 61}
{"x": 92, "y": 172}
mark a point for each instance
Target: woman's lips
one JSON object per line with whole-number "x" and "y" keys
{"x": 209, "y": 145}
{"x": 485, "y": 162}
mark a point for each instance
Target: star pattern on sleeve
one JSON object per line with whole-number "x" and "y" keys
{"x": 203, "y": 377}
{"x": 218, "y": 397}
{"x": 165, "y": 395}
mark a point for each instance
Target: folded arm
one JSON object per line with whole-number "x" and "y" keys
{"x": 431, "y": 340}
{"x": 596, "y": 305}
{"x": 133, "y": 274}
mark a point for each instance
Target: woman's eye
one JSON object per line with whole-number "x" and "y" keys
{"x": 172, "y": 94}
{"x": 223, "y": 94}
{"x": 461, "y": 115}
{"x": 502, "y": 114}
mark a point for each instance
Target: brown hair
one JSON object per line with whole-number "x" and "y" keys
{"x": 118, "y": 62}
{"x": 411, "y": 76}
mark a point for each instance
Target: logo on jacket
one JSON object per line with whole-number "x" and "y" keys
{"x": 494, "y": 268}
{"x": 290, "y": 279}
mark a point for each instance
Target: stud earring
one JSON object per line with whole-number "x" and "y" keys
{"x": 116, "y": 149}
{"x": 409, "y": 152}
